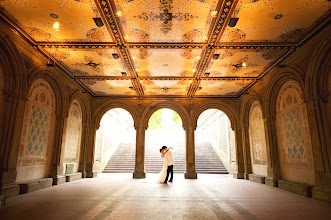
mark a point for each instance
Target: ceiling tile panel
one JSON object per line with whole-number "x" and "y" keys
{"x": 166, "y": 87}
{"x": 109, "y": 87}
{"x": 165, "y": 20}
{"x": 36, "y": 17}
{"x": 221, "y": 87}
{"x": 275, "y": 20}
{"x": 89, "y": 62}
{"x": 230, "y": 62}
{"x": 166, "y": 62}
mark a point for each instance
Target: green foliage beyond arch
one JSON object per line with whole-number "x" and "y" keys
{"x": 164, "y": 119}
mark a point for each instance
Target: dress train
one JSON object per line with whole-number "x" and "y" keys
{"x": 163, "y": 173}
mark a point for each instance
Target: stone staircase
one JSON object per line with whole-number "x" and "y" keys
{"x": 206, "y": 159}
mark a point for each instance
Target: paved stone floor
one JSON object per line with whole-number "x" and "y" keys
{"x": 118, "y": 196}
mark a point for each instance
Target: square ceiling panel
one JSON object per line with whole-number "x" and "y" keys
{"x": 221, "y": 87}
{"x": 75, "y": 18}
{"x": 166, "y": 62}
{"x": 109, "y": 87}
{"x": 166, "y": 87}
{"x": 89, "y": 62}
{"x": 275, "y": 21}
{"x": 165, "y": 21}
{"x": 243, "y": 63}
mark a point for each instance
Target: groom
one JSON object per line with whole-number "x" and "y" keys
{"x": 168, "y": 156}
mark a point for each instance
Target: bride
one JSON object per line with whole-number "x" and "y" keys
{"x": 163, "y": 173}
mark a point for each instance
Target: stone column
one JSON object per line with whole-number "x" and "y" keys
{"x": 11, "y": 137}
{"x": 321, "y": 149}
{"x": 239, "y": 174}
{"x": 57, "y": 171}
{"x": 273, "y": 169}
{"x": 190, "y": 154}
{"x": 139, "y": 171}
{"x": 89, "y": 168}
{"x": 83, "y": 149}
{"x": 247, "y": 151}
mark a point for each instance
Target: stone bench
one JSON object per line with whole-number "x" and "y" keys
{"x": 10, "y": 190}
{"x": 34, "y": 185}
{"x": 59, "y": 180}
{"x": 73, "y": 177}
{"x": 298, "y": 188}
{"x": 256, "y": 178}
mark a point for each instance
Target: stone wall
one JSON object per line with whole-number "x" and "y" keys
{"x": 257, "y": 140}
{"x": 293, "y": 135}
{"x": 2, "y": 99}
{"x": 328, "y": 105}
{"x": 36, "y": 143}
{"x": 73, "y": 136}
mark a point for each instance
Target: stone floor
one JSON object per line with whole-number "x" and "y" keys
{"x": 118, "y": 196}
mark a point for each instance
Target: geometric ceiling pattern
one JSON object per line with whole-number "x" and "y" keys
{"x": 166, "y": 48}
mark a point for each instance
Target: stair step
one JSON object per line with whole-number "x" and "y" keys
{"x": 123, "y": 160}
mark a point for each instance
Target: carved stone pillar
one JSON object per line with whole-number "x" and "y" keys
{"x": 89, "y": 167}
{"x": 239, "y": 174}
{"x": 320, "y": 141}
{"x": 273, "y": 169}
{"x": 11, "y": 136}
{"x": 247, "y": 152}
{"x": 58, "y": 152}
{"x": 190, "y": 154}
{"x": 139, "y": 171}
{"x": 83, "y": 149}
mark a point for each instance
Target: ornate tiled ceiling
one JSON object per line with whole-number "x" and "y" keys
{"x": 166, "y": 48}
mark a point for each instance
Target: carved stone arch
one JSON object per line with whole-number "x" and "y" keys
{"x": 179, "y": 109}
{"x": 105, "y": 107}
{"x": 247, "y": 104}
{"x": 84, "y": 104}
{"x": 233, "y": 117}
{"x": 283, "y": 75}
{"x": 318, "y": 71}
{"x": 61, "y": 97}
{"x": 12, "y": 64}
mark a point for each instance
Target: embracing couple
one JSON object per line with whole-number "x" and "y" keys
{"x": 168, "y": 165}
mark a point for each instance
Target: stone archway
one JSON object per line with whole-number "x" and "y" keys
{"x": 189, "y": 133}
{"x": 234, "y": 119}
{"x": 95, "y": 124}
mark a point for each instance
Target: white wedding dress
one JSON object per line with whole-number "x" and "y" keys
{"x": 163, "y": 173}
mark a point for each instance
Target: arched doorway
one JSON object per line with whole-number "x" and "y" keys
{"x": 214, "y": 143}
{"x": 165, "y": 128}
{"x": 115, "y": 143}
